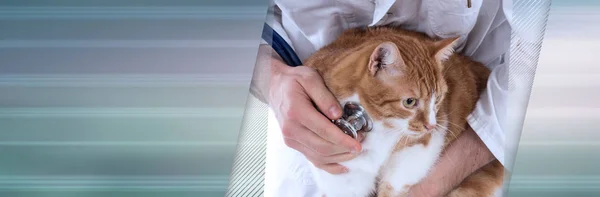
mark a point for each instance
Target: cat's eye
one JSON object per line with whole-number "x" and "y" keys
{"x": 409, "y": 103}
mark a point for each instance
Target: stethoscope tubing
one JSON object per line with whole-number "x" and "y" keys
{"x": 283, "y": 49}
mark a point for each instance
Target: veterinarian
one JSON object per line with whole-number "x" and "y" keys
{"x": 484, "y": 30}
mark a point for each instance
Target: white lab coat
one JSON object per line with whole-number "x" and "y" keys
{"x": 308, "y": 25}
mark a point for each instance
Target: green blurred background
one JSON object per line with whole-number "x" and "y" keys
{"x": 123, "y": 98}
{"x": 146, "y": 98}
{"x": 558, "y": 153}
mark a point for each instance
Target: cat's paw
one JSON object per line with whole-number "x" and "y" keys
{"x": 385, "y": 189}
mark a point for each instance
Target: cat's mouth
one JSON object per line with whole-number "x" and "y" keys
{"x": 423, "y": 132}
{"x": 413, "y": 133}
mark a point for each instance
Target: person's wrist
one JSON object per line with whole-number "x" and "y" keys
{"x": 277, "y": 70}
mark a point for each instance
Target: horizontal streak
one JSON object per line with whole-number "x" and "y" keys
{"x": 108, "y": 183}
{"x": 567, "y": 80}
{"x": 563, "y": 112}
{"x": 157, "y": 188}
{"x": 518, "y": 183}
{"x": 129, "y": 43}
{"x": 115, "y": 183}
{"x": 574, "y": 10}
{"x": 112, "y": 177}
{"x": 163, "y": 12}
{"x": 135, "y": 9}
{"x": 79, "y": 80}
{"x": 122, "y": 112}
{"x": 559, "y": 143}
{"x": 114, "y": 143}
{"x": 553, "y": 178}
{"x": 555, "y": 183}
{"x": 121, "y": 80}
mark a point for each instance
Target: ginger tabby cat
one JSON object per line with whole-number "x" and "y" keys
{"x": 418, "y": 93}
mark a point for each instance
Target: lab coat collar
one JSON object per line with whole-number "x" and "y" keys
{"x": 381, "y": 9}
{"x": 507, "y": 6}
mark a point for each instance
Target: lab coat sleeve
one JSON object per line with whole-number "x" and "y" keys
{"x": 488, "y": 119}
{"x": 274, "y": 19}
{"x": 260, "y": 78}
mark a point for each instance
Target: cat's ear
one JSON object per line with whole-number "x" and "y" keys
{"x": 443, "y": 49}
{"x": 386, "y": 57}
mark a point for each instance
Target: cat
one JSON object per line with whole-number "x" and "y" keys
{"x": 418, "y": 93}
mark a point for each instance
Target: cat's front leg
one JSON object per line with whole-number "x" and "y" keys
{"x": 400, "y": 173}
{"x": 357, "y": 182}
{"x": 408, "y": 166}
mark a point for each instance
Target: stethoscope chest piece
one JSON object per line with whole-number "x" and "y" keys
{"x": 355, "y": 119}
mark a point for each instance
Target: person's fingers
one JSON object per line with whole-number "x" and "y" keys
{"x": 315, "y": 87}
{"x": 295, "y": 145}
{"x": 334, "y": 159}
{"x": 360, "y": 137}
{"x": 311, "y": 140}
{"x": 315, "y": 157}
{"x": 324, "y": 128}
{"x": 333, "y": 168}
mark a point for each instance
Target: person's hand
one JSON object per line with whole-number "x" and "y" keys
{"x": 293, "y": 94}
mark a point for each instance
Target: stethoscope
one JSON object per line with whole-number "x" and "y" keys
{"x": 354, "y": 118}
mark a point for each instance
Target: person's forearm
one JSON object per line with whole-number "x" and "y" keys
{"x": 259, "y": 87}
{"x": 451, "y": 170}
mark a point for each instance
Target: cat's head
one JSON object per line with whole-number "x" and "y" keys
{"x": 400, "y": 85}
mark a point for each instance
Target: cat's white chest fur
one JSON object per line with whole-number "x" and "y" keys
{"x": 408, "y": 166}
{"x": 404, "y": 167}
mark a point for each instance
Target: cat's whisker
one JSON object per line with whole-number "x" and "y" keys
{"x": 448, "y": 114}
{"x": 451, "y": 161}
{"x": 443, "y": 127}
{"x": 454, "y": 124}
{"x": 461, "y": 127}
{"x": 449, "y": 131}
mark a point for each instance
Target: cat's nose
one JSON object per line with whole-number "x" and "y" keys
{"x": 430, "y": 127}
